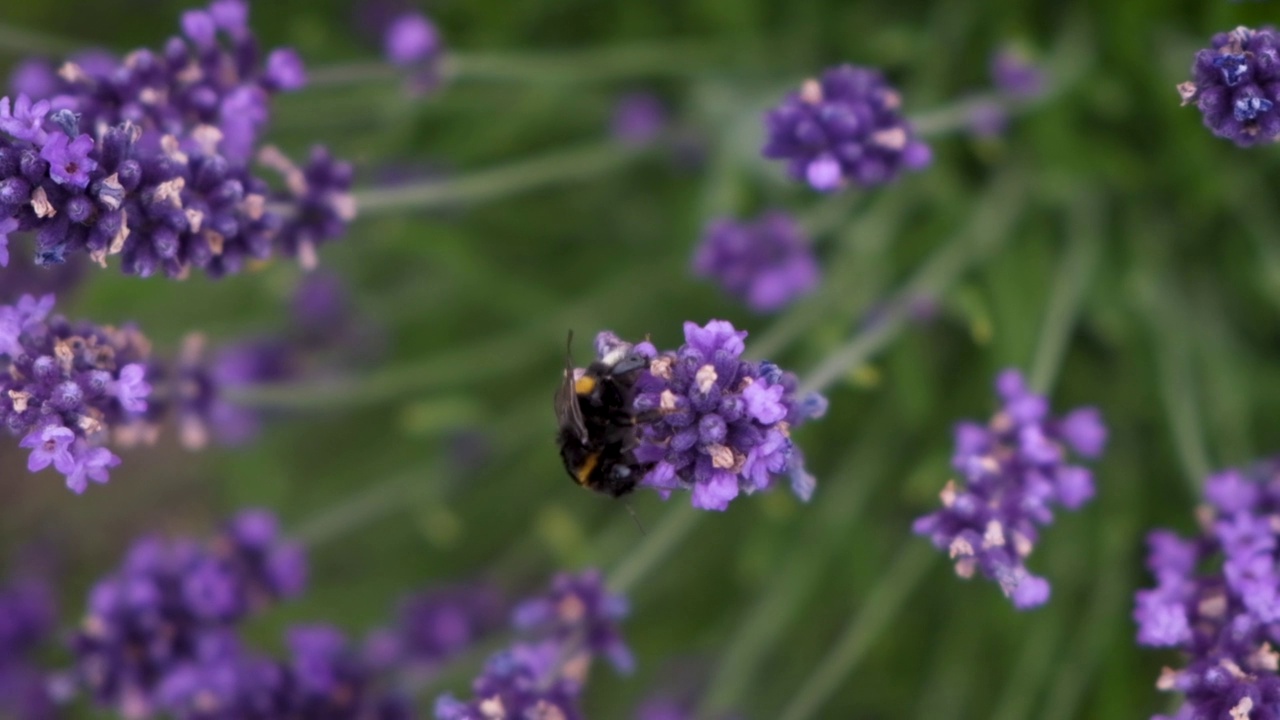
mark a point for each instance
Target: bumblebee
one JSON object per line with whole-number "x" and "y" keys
{"x": 597, "y": 434}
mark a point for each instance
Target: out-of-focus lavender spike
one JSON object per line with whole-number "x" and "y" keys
{"x": 843, "y": 128}
{"x": 1016, "y": 471}
{"x": 767, "y": 262}
{"x": 638, "y": 119}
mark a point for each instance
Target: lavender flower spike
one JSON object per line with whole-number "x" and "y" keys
{"x": 162, "y": 626}
{"x": 65, "y": 387}
{"x": 1217, "y": 599}
{"x": 1235, "y": 85}
{"x": 767, "y": 263}
{"x": 581, "y": 614}
{"x": 845, "y": 127}
{"x": 1015, "y": 471}
{"x": 715, "y": 424}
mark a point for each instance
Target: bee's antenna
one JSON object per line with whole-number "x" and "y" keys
{"x": 635, "y": 517}
{"x": 568, "y": 351}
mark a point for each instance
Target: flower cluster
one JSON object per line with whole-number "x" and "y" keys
{"x": 1235, "y": 85}
{"x": 713, "y": 423}
{"x": 845, "y": 127}
{"x": 1217, "y": 599}
{"x": 412, "y": 42}
{"x": 1015, "y": 75}
{"x": 1015, "y": 470}
{"x": 174, "y": 604}
{"x": 64, "y": 387}
{"x": 767, "y": 263}
{"x": 638, "y": 119}
{"x": 571, "y": 625}
{"x": 147, "y": 157}
{"x": 324, "y": 677}
{"x": 26, "y": 621}
{"x": 434, "y": 626}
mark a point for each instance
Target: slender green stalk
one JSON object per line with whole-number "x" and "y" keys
{"x": 675, "y": 526}
{"x": 777, "y": 608}
{"x": 1068, "y": 291}
{"x": 563, "y": 166}
{"x": 604, "y": 64}
{"x": 358, "y": 510}
{"x": 24, "y": 41}
{"x": 990, "y": 225}
{"x": 1039, "y": 651}
{"x": 875, "y": 617}
{"x": 1166, "y": 319}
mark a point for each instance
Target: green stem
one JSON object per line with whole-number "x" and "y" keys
{"x": 655, "y": 547}
{"x": 990, "y": 224}
{"x": 573, "y": 66}
{"x": 773, "y": 612}
{"x": 1068, "y": 292}
{"x": 881, "y": 609}
{"x": 1030, "y": 669}
{"x": 24, "y": 41}
{"x": 1166, "y": 318}
{"x": 357, "y": 511}
{"x": 577, "y": 163}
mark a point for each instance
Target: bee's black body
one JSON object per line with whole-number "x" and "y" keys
{"x": 598, "y": 425}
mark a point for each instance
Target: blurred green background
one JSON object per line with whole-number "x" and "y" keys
{"x": 1107, "y": 233}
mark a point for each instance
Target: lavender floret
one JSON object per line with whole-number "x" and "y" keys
{"x": 845, "y": 127}
{"x": 767, "y": 263}
{"x": 66, "y": 387}
{"x": 579, "y": 613}
{"x": 715, "y": 424}
{"x": 147, "y": 157}
{"x": 166, "y": 618}
{"x": 1015, "y": 470}
{"x": 1217, "y": 599}
{"x": 1236, "y": 85}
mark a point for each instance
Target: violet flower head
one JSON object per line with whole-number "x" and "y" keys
{"x": 715, "y": 424}
{"x": 1015, "y": 471}
{"x": 1236, "y": 85}
{"x": 845, "y": 127}
{"x": 581, "y": 614}
{"x": 1016, "y": 76}
{"x": 204, "y": 380}
{"x": 638, "y": 119}
{"x": 435, "y": 626}
{"x": 1217, "y": 599}
{"x": 147, "y": 157}
{"x": 411, "y": 38}
{"x": 522, "y": 682}
{"x": 767, "y": 263}
{"x": 27, "y": 617}
{"x": 66, "y": 387}
{"x": 412, "y": 42}
{"x": 165, "y": 619}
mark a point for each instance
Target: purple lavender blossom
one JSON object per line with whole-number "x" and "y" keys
{"x": 1235, "y": 85}
{"x": 715, "y": 424}
{"x": 65, "y": 387}
{"x": 844, "y": 128}
{"x": 1015, "y": 469}
{"x": 1015, "y": 75}
{"x": 1217, "y": 599}
{"x": 27, "y": 616}
{"x": 571, "y": 624}
{"x": 147, "y": 157}
{"x": 166, "y": 617}
{"x": 204, "y": 409}
{"x": 579, "y": 613}
{"x": 435, "y": 626}
{"x": 411, "y": 41}
{"x": 522, "y": 682}
{"x": 638, "y": 119}
{"x": 767, "y": 263}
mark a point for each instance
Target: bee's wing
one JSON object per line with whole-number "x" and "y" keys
{"x": 568, "y": 412}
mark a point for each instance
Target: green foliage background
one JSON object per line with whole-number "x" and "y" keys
{"x": 1110, "y": 188}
